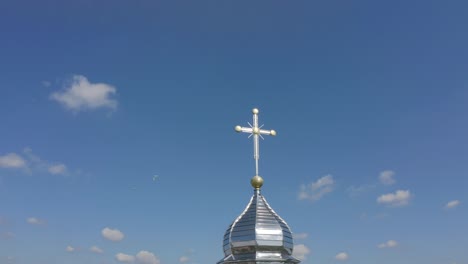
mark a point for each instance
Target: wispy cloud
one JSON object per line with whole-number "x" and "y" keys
{"x": 46, "y": 83}
{"x": 96, "y": 249}
{"x": 388, "y": 244}
{"x": 35, "y": 221}
{"x": 301, "y": 251}
{"x": 452, "y": 204}
{"x": 38, "y": 164}
{"x": 79, "y": 94}
{"x": 142, "y": 257}
{"x": 58, "y": 169}
{"x": 386, "y": 177}
{"x": 342, "y": 256}
{"x": 316, "y": 190}
{"x": 29, "y": 162}
{"x": 187, "y": 257}
{"x": 184, "y": 259}
{"x": 399, "y": 198}
{"x": 112, "y": 234}
{"x": 300, "y": 235}
{"x": 124, "y": 258}
{"x": 70, "y": 249}
{"x": 12, "y": 160}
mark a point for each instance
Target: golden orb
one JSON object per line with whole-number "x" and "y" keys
{"x": 256, "y": 130}
{"x": 238, "y": 128}
{"x": 256, "y": 182}
{"x": 255, "y": 111}
{"x": 273, "y": 133}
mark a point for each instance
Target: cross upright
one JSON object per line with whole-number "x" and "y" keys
{"x": 255, "y": 131}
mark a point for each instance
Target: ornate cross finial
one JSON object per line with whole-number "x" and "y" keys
{"x": 256, "y": 131}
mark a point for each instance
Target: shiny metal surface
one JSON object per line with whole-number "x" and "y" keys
{"x": 256, "y": 182}
{"x": 255, "y": 131}
{"x": 258, "y": 235}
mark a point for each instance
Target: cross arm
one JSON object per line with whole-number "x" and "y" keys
{"x": 243, "y": 129}
{"x": 267, "y": 132}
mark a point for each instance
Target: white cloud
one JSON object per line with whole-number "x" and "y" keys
{"x": 125, "y": 258}
{"x": 300, "y": 251}
{"x": 388, "y": 244}
{"x": 316, "y": 190}
{"x": 399, "y": 198}
{"x": 79, "y": 94}
{"x": 112, "y": 234}
{"x": 146, "y": 257}
{"x": 58, "y": 169}
{"x": 322, "y": 182}
{"x": 300, "y": 236}
{"x": 12, "y": 160}
{"x": 30, "y": 163}
{"x": 184, "y": 259}
{"x": 386, "y": 177}
{"x": 34, "y": 221}
{"x": 342, "y": 256}
{"x": 70, "y": 249}
{"x": 96, "y": 249}
{"x": 452, "y": 204}
{"x": 142, "y": 257}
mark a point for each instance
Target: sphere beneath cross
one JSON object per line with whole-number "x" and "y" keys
{"x": 256, "y": 182}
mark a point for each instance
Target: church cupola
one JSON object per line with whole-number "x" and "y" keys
{"x": 258, "y": 234}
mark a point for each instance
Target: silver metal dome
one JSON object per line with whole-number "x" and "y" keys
{"x": 258, "y": 235}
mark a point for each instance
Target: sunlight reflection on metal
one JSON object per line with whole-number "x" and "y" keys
{"x": 258, "y": 235}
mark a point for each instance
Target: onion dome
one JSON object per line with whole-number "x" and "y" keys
{"x": 258, "y": 235}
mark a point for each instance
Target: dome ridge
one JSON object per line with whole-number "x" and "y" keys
{"x": 257, "y": 235}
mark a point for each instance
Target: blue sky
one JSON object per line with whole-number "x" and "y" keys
{"x": 369, "y": 99}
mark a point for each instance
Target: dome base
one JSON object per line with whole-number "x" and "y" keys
{"x": 230, "y": 260}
